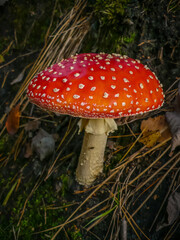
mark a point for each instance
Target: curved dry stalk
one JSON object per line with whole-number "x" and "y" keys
{"x": 164, "y": 200}
{"x": 129, "y": 216}
{"x": 158, "y": 184}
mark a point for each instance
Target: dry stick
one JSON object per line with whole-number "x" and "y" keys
{"x": 123, "y": 199}
{"x": 124, "y": 160}
{"x": 125, "y": 210}
{"x": 174, "y": 190}
{"x": 169, "y": 234}
{"x": 164, "y": 200}
{"x": 8, "y": 48}
{"x": 157, "y": 184}
{"x": 145, "y": 170}
{"x": 131, "y": 131}
{"x": 178, "y": 79}
{"x": 115, "y": 186}
{"x": 91, "y": 233}
{"x": 124, "y": 187}
{"x": 117, "y": 225}
{"x": 5, "y": 78}
{"x": 14, "y": 148}
{"x": 122, "y": 207}
{"x": 155, "y": 147}
{"x": 75, "y": 218}
{"x": 14, "y": 59}
{"x": 124, "y": 229}
{"x": 132, "y": 158}
{"x": 126, "y": 181}
{"x": 67, "y": 237}
{"x": 131, "y": 224}
{"x": 112, "y": 223}
{"x": 134, "y": 201}
{"x": 153, "y": 175}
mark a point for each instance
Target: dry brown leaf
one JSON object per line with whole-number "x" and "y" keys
{"x": 29, "y": 150}
{"x": 154, "y": 130}
{"x": 150, "y": 138}
{"x": 12, "y": 122}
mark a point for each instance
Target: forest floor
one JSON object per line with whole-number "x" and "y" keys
{"x": 40, "y": 198}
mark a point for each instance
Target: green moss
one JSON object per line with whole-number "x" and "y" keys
{"x": 66, "y": 183}
{"x": 3, "y": 141}
{"x": 75, "y": 233}
{"x": 6, "y": 143}
{"x": 112, "y": 28}
{"x": 110, "y": 12}
{"x": 129, "y": 39}
{"x": 37, "y": 216}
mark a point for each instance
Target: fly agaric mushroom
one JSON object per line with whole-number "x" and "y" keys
{"x": 97, "y": 88}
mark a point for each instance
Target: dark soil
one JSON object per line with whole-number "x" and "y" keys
{"x": 146, "y": 30}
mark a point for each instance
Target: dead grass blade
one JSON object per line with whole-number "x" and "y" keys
{"x": 5, "y": 78}
{"x": 131, "y": 220}
{"x": 172, "y": 230}
{"x": 165, "y": 198}
{"x": 163, "y": 177}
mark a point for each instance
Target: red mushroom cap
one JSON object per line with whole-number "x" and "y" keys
{"x": 97, "y": 86}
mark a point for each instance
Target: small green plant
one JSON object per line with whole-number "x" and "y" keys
{"x": 75, "y": 233}
{"x": 110, "y": 12}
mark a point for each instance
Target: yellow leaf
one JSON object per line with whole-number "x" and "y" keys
{"x": 1, "y": 59}
{"x": 154, "y": 130}
{"x": 150, "y": 139}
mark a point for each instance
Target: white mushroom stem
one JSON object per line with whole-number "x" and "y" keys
{"x": 91, "y": 159}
